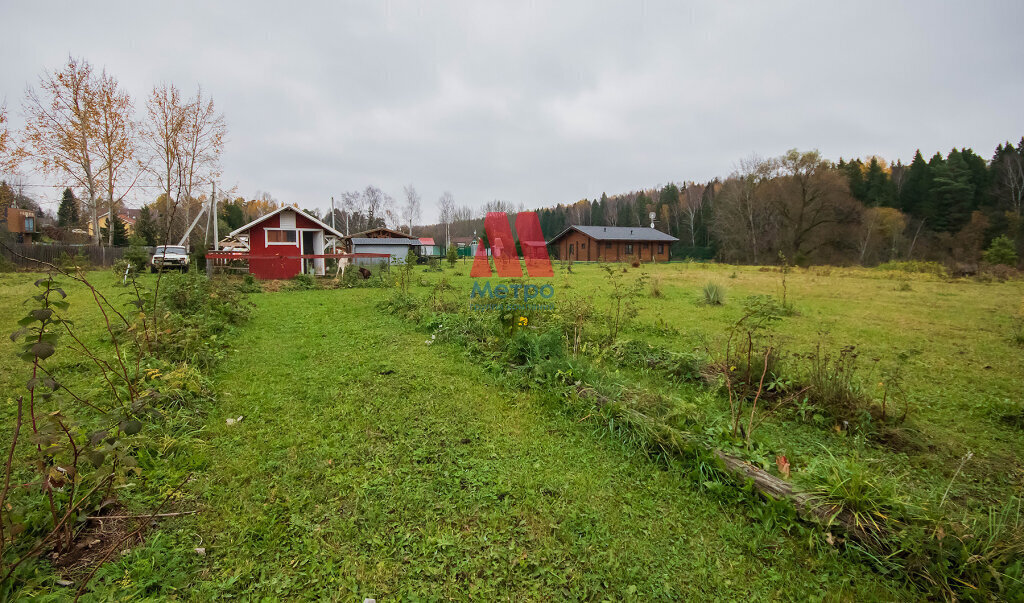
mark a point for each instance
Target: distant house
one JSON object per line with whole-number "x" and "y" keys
{"x": 21, "y": 223}
{"x": 429, "y": 248}
{"x": 466, "y": 246}
{"x": 394, "y": 243}
{"x": 279, "y": 242}
{"x": 375, "y": 233}
{"x": 128, "y": 216}
{"x": 612, "y": 244}
{"x": 396, "y": 248}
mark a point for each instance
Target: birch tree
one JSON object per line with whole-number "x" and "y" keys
{"x": 8, "y": 152}
{"x": 411, "y": 209}
{"x": 163, "y": 132}
{"x": 61, "y": 130}
{"x": 692, "y": 202}
{"x": 378, "y": 206}
{"x": 203, "y": 136}
{"x": 116, "y": 133}
{"x": 446, "y": 207}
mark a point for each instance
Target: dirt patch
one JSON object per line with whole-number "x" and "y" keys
{"x": 99, "y": 539}
{"x": 899, "y": 439}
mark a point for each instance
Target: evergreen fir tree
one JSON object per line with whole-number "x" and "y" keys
{"x": 917, "y": 189}
{"x": 596, "y": 214}
{"x": 878, "y": 189}
{"x": 855, "y": 176}
{"x": 953, "y": 194}
{"x": 980, "y": 177}
{"x": 624, "y": 213}
{"x": 67, "y": 213}
{"x": 120, "y": 232}
{"x": 146, "y": 227}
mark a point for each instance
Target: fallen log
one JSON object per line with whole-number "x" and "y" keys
{"x": 808, "y": 507}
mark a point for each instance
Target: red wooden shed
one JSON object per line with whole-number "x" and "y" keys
{"x": 279, "y": 240}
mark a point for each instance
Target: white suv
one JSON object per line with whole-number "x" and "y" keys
{"x": 169, "y": 256}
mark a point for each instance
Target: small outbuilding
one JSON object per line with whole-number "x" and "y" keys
{"x": 429, "y": 248}
{"x": 396, "y": 249}
{"x": 21, "y": 223}
{"x": 286, "y": 242}
{"x": 612, "y": 244}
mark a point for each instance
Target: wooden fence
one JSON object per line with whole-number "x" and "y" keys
{"x": 97, "y": 255}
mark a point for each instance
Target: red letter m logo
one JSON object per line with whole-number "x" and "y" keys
{"x": 503, "y": 246}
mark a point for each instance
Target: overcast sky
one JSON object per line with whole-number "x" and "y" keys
{"x": 542, "y": 102}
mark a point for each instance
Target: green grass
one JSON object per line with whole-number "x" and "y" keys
{"x": 371, "y": 464}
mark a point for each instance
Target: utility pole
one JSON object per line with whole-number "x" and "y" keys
{"x": 213, "y": 212}
{"x": 332, "y": 211}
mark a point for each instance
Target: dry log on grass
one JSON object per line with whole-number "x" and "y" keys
{"x": 807, "y": 506}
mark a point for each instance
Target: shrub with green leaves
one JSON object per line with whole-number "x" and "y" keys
{"x": 136, "y": 253}
{"x": 1001, "y": 251}
{"x": 201, "y": 312}
{"x": 303, "y": 282}
{"x": 81, "y": 451}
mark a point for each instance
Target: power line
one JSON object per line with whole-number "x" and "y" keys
{"x": 19, "y": 184}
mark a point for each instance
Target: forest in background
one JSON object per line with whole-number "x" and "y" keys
{"x": 948, "y": 209}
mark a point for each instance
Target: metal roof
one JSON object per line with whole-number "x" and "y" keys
{"x": 383, "y": 241}
{"x": 620, "y": 233}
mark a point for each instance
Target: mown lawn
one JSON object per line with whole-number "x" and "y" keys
{"x": 369, "y": 463}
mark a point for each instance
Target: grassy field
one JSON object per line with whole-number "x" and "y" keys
{"x": 371, "y": 463}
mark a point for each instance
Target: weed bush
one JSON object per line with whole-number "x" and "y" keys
{"x": 640, "y": 355}
{"x": 303, "y": 282}
{"x": 200, "y": 312}
{"x": 123, "y": 268}
{"x": 136, "y": 254}
{"x": 714, "y": 294}
{"x": 833, "y": 384}
{"x": 914, "y": 266}
{"x": 847, "y": 485}
{"x": 656, "y": 289}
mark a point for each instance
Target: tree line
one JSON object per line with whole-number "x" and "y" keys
{"x": 812, "y": 210}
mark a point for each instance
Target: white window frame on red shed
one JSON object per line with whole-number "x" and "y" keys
{"x": 294, "y": 243}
